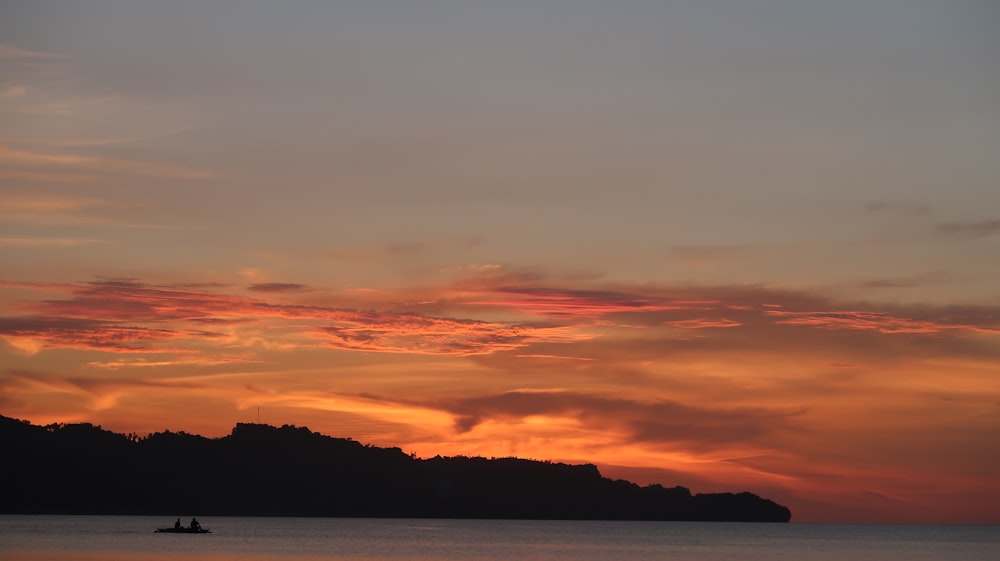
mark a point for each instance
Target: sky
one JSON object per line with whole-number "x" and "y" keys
{"x": 728, "y": 245}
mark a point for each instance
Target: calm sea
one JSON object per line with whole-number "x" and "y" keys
{"x": 131, "y": 538}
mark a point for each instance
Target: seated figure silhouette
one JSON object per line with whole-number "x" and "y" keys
{"x": 177, "y": 524}
{"x": 195, "y": 525}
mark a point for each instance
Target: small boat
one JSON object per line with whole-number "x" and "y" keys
{"x": 184, "y": 530}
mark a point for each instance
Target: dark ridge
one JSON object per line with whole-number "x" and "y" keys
{"x": 260, "y": 470}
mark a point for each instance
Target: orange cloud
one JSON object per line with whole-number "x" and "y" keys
{"x": 422, "y": 335}
{"x": 660, "y": 421}
{"x": 81, "y": 334}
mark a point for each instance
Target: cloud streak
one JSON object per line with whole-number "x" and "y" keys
{"x": 38, "y": 243}
{"x": 9, "y": 52}
{"x": 659, "y": 421}
{"x": 56, "y": 165}
{"x": 882, "y": 322}
{"x": 277, "y": 287}
{"x": 589, "y": 304}
{"x": 961, "y": 231}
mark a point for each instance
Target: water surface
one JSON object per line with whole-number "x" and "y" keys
{"x": 121, "y": 538}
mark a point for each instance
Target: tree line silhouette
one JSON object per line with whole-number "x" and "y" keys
{"x": 261, "y": 470}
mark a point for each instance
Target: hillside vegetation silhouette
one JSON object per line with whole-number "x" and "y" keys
{"x": 261, "y": 470}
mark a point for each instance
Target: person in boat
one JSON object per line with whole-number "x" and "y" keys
{"x": 177, "y": 524}
{"x": 195, "y": 525}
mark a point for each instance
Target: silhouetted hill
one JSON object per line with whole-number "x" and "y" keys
{"x": 265, "y": 470}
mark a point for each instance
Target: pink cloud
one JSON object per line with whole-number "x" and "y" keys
{"x": 96, "y": 314}
{"x": 882, "y": 322}
{"x": 127, "y": 315}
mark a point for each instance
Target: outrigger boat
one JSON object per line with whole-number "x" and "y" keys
{"x": 184, "y": 530}
{"x": 193, "y": 528}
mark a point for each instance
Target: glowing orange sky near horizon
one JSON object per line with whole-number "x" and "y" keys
{"x": 715, "y": 388}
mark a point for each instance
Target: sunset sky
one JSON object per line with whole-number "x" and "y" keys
{"x": 743, "y": 245}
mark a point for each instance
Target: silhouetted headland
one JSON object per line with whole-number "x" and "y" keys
{"x": 260, "y": 470}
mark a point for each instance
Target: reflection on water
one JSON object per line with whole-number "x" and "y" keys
{"x": 131, "y": 538}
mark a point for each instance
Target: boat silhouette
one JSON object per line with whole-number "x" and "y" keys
{"x": 193, "y": 528}
{"x": 184, "y": 530}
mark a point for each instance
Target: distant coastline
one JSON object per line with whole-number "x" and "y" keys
{"x": 261, "y": 470}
